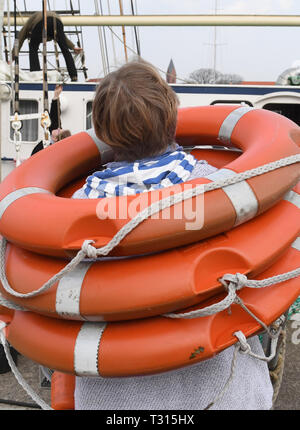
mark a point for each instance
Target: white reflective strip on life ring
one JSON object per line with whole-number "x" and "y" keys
{"x": 69, "y": 290}
{"x": 230, "y": 122}
{"x": 105, "y": 151}
{"x": 14, "y": 195}
{"x": 240, "y": 194}
{"x": 296, "y": 244}
{"x": 86, "y": 348}
{"x": 293, "y": 198}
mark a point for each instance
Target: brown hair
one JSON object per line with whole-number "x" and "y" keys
{"x": 63, "y": 134}
{"x": 135, "y": 111}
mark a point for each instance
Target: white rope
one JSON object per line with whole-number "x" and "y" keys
{"x": 10, "y": 305}
{"x": 90, "y": 251}
{"x": 246, "y": 349}
{"x": 243, "y": 347}
{"x": 17, "y": 374}
{"x": 17, "y": 125}
{"x": 229, "y": 380}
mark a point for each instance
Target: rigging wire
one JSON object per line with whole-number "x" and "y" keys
{"x": 112, "y": 38}
{"x": 104, "y": 36}
{"x": 1, "y": 25}
{"x": 79, "y": 44}
{"x": 16, "y": 58}
{"x": 123, "y": 31}
{"x": 45, "y": 123}
{"x": 104, "y": 63}
{"x": 135, "y": 32}
{"x": 9, "y": 48}
{"x": 45, "y": 75}
{"x": 55, "y": 37}
{"x": 134, "y": 52}
{"x": 5, "y": 44}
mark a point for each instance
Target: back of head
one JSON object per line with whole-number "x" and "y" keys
{"x": 135, "y": 111}
{"x": 63, "y": 134}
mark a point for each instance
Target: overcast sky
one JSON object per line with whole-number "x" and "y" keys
{"x": 255, "y": 53}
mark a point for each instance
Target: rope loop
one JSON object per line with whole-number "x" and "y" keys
{"x": 16, "y": 124}
{"x": 238, "y": 280}
{"x": 243, "y": 344}
{"x": 245, "y": 348}
{"x": 89, "y": 250}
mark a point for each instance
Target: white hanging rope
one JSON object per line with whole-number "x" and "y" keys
{"x": 17, "y": 374}
{"x": 246, "y": 349}
{"x": 243, "y": 347}
{"x": 17, "y": 125}
{"x": 229, "y": 380}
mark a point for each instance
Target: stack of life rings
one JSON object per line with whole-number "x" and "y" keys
{"x": 135, "y": 288}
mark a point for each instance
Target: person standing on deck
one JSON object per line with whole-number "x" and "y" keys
{"x": 33, "y": 30}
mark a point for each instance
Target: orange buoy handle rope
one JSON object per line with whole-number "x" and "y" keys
{"x": 233, "y": 283}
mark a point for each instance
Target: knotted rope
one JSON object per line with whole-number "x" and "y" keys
{"x": 232, "y": 284}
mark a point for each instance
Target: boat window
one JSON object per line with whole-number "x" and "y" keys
{"x": 89, "y": 115}
{"x": 231, "y": 102}
{"x": 290, "y": 110}
{"x": 30, "y": 127}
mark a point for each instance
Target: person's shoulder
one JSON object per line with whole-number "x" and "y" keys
{"x": 37, "y": 148}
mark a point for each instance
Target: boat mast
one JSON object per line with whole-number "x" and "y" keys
{"x": 104, "y": 60}
{"x": 135, "y": 33}
{"x": 45, "y": 123}
{"x": 215, "y": 43}
{"x": 112, "y": 36}
{"x": 123, "y": 31}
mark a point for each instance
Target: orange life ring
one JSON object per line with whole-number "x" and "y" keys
{"x": 119, "y": 289}
{"x": 151, "y": 345}
{"x": 34, "y": 218}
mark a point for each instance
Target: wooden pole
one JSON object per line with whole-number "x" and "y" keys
{"x": 176, "y": 20}
{"x": 123, "y": 31}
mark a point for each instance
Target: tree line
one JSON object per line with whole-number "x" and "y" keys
{"x": 211, "y": 76}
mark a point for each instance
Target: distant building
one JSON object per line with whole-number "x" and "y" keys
{"x": 171, "y": 73}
